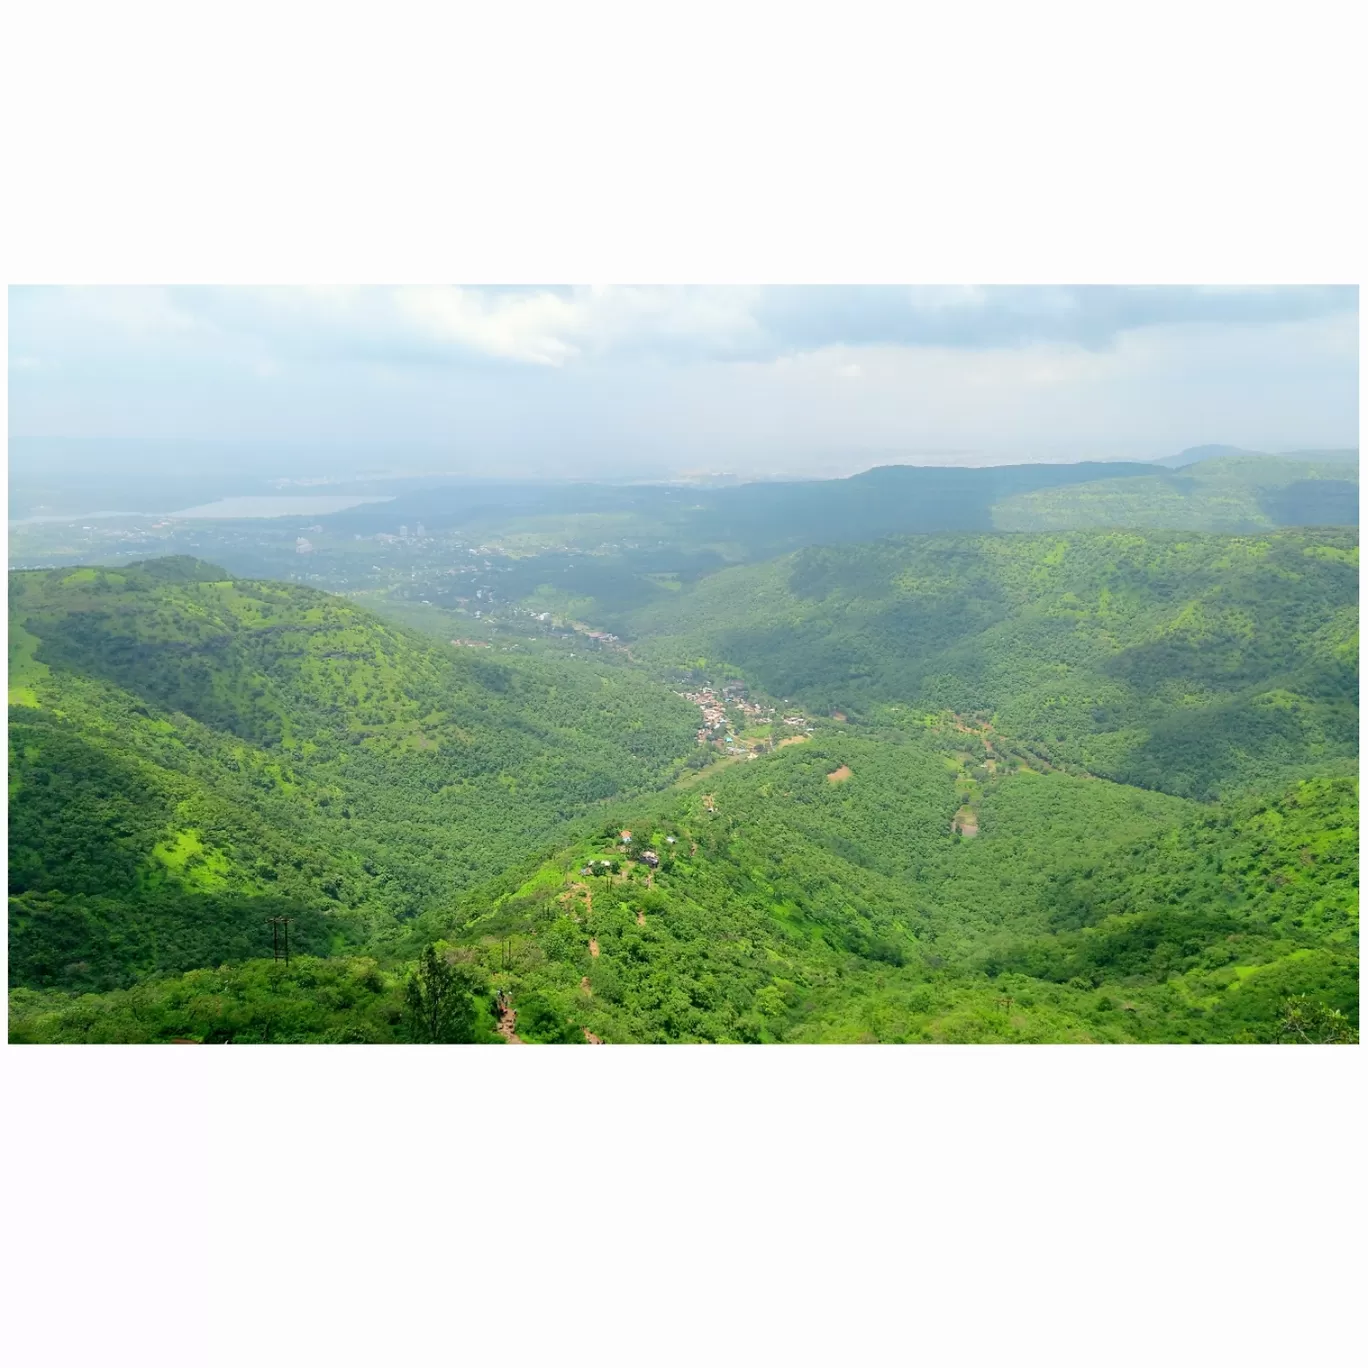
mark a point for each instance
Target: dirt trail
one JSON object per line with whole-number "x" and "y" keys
{"x": 508, "y": 1021}
{"x": 593, "y": 947}
{"x": 641, "y": 917}
{"x": 584, "y": 986}
{"x": 588, "y": 892}
{"x": 591, "y": 1037}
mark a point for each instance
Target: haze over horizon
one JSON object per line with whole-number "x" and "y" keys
{"x": 648, "y": 382}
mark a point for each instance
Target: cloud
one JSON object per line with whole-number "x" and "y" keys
{"x": 574, "y": 377}
{"x": 807, "y": 317}
{"x": 558, "y": 326}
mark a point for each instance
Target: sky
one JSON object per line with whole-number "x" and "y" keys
{"x": 622, "y": 380}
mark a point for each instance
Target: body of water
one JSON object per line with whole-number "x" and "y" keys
{"x": 276, "y": 506}
{"x": 243, "y": 506}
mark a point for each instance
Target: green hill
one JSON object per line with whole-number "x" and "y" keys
{"x": 1229, "y": 493}
{"x": 1084, "y": 786}
{"x": 1195, "y": 664}
{"x": 789, "y": 906}
{"x": 187, "y": 750}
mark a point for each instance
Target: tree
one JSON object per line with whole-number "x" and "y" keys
{"x": 438, "y": 1002}
{"x": 1306, "y": 1022}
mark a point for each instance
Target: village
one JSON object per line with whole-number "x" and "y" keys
{"x": 729, "y": 734}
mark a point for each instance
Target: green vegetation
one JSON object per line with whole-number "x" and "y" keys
{"x": 1245, "y": 493}
{"x": 1195, "y": 664}
{"x": 200, "y": 749}
{"x": 1079, "y": 786}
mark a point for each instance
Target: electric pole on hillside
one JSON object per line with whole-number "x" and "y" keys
{"x": 280, "y": 947}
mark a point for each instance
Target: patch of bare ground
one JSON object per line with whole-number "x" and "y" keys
{"x": 584, "y": 986}
{"x": 591, "y": 1037}
{"x": 839, "y": 776}
{"x": 790, "y": 741}
{"x": 641, "y": 917}
{"x": 593, "y": 947}
{"x": 965, "y": 822}
{"x": 838, "y": 717}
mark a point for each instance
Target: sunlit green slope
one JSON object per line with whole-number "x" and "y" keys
{"x": 823, "y": 893}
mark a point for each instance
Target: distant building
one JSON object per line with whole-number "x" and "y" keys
{"x": 420, "y": 529}
{"x": 403, "y": 529}
{"x": 303, "y": 546}
{"x": 649, "y": 857}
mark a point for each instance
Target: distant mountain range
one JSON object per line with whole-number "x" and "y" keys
{"x": 1191, "y": 455}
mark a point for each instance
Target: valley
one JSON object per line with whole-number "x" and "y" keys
{"x": 1092, "y": 784}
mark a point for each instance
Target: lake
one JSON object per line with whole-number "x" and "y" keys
{"x": 276, "y": 506}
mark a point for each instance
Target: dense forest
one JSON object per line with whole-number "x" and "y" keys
{"x": 1077, "y": 786}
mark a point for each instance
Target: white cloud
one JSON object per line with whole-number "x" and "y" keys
{"x": 540, "y": 328}
{"x": 580, "y": 374}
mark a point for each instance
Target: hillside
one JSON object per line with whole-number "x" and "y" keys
{"x": 791, "y": 905}
{"x": 1192, "y": 455}
{"x": 1194, "y": 664}
{"x": 184, "y": 746}
{"x": 1228, "y": 493}
{"x": 1071, "y": 787}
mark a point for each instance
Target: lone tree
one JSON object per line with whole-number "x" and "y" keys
{"x": 1307, "y": 1022}
{"x": 439, "y": 1003}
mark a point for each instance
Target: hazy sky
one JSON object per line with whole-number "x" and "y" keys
{"x": 611, "y": 379}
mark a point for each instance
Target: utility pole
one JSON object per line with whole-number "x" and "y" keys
{"x": 280, "y": 946}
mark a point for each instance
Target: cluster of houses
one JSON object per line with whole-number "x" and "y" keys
{"x": 647, "y": 857}
{"x": 714, "y": 710}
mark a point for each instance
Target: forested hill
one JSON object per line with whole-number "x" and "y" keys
{"x": 1242, "y": 492}
{"x": 1082, "y": 786}
{"x": 1193, "y": 663}
{"x": 1231, "y": 493}
{"x": 186, "y": 749}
